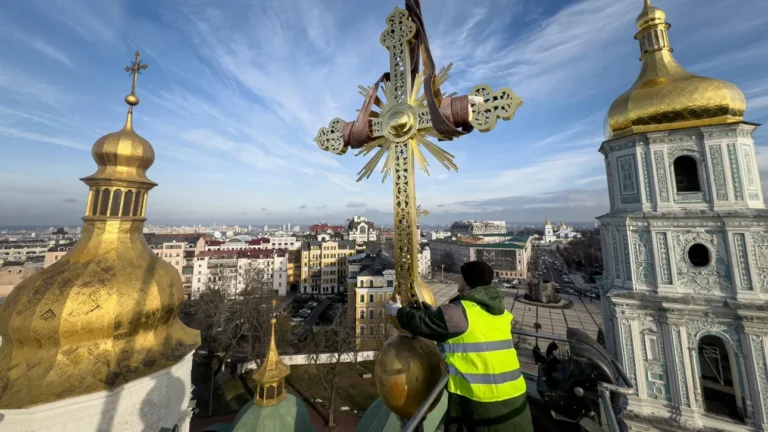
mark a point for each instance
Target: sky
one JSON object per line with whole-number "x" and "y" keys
{"x": 236, "y": 91}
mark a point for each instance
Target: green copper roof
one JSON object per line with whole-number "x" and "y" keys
{"x": 287, "y": 416}
{"x": 378, "y": 418}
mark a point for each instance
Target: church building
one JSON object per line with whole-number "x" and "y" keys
{"x": 685, "y": 288}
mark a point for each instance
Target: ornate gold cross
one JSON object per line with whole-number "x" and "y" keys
{"x": 135, "y": 69}
{"x": 400, "y": 130}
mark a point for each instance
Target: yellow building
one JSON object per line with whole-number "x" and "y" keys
{"x": 324, "y": 266}
{"x": 294, "y": 269}
{"x": 370, "y": 284}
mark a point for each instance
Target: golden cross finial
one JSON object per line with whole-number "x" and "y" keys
{"x": 135, "y": 69}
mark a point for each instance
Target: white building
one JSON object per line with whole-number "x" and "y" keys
{"x": 434, "y": 235}
{"x": 470, "y": 227}
{"x": 360, "y": 230}
{"x": 233, "y": 268}
{"x": 425, "y": 262}
{"x": 685, "y": 289}
{"x": 549, "y": 235}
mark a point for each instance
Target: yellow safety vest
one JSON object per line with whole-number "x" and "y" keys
{"x": 482, "y": 362}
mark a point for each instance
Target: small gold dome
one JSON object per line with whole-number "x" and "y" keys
{"x": 666, "y": 96}
{"x": 650, "y": 15}
{"x": 123, "y": 155}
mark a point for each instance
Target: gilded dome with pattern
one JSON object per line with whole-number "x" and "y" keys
{"x": 666, "y": 96}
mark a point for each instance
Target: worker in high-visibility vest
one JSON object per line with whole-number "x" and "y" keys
{"x": 486, "y": 390}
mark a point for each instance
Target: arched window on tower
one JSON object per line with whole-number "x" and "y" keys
{"x": 95, "y": 202}
{"x": 137, "y": 204}
{"x": 104, "y": 202}
{"x": 686, "y": 174}
{"x": 117, "y": 198}
{"x": 127, "y": 203}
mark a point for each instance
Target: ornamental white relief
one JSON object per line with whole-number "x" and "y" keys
{"x": 646, "y": 180}
{"x": 735, "y": 175}
{"x": 663, "y": 247}
{"x": 749, "y": 165}
{"x": 718, "y": 172}
{"x": 758, "y": 351}
{"x": 655, "y": 368}
{"x": 739, "y": 241}
{"x": 680, "y": 365}
{"x": 710, "y": 279}
{"x": 628, "y": 350}
{"x": 661, "y": 175}
{"x": 627, "y": 178}
{"x": 616, "y": 262}
{"x": 627, "y": 263}
{"x": 759, "y": 245}
{"x": 643, "y": 257}
{"x": 727, "y": 330}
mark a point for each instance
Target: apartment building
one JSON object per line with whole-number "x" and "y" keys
{"x": 371, "y": 283}
{"x": 509, "y": 256}
{"x": 54, "y": 253}
{"x": 179, "y": 250}
{"x": 324, "y": 266}
{"x": 234, "y": 270}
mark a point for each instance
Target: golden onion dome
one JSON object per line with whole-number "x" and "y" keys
{"x": 649, "y": 16}
{"x": 106, "y": 313}
{"x": 123, "y": 155}
{"x": 666, "y": 96}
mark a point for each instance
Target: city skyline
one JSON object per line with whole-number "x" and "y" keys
{"x": 231, "y": 108}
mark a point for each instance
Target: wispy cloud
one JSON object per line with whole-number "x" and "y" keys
{"x": 46, "y": 48}
{"x": 356, "y": 204}
{"x": 36, "y": 137}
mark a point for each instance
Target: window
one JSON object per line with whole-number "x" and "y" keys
{"x": 390, "y": 283}
{"x": 686, "y": 174}
{"x": 362, "y": 330}
{"x": 372, "y": 330}
{"x": 652, "y": 347}
{"x": 371, "y": 314}
{"x": 362, "y": 298}
{"x": 381, "y": 313}
{"x": 362, "y": 313}
{"x": 371, "y": 297}
{"x": 698, "y": 255}
{"x": 370, "y": 283}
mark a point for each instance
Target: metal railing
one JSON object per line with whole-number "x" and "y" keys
{"x": 604, "y": 390}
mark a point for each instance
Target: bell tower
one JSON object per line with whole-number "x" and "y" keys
{"x": 685, "y": 287}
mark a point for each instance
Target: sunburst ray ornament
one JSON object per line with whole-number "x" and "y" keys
{"x": 400, "y": 115}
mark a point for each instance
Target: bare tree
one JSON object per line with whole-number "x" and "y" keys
{"x": 233, "y": 313}
{"x": 331, "y": 346}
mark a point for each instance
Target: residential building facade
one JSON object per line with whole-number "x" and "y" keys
{"x": 471, "y": 228}
{"x": 324, "y": 266}
{"x": 360, "y": 230}
{"x": 235, "y": 270}
{"x": 371, "y": 284}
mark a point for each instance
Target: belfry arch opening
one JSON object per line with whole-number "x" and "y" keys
{"x": 718, "y": 378}
{"x": 686, "y": 174}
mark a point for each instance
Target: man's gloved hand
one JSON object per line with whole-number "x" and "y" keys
{"x": 428, "y": 307}
{"x": 392, "y": 307}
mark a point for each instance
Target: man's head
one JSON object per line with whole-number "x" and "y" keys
{"x": 475, "y": 274}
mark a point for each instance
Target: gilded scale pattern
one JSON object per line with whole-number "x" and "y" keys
{"x": 665, "y": 96}
{"x": 400, "y": 131}
{"x": 105, "y": 314}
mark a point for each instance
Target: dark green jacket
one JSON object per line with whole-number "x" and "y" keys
{"x": 449, "y": 321}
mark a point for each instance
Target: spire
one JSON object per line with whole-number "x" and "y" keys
{"x": 135, "y": 69}
{"x": 546, "y": 223}
{"x": 270, "y": 376}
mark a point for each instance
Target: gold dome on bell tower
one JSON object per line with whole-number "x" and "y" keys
{"x": 106, "y": 313}
{"x": 666, "y": 96}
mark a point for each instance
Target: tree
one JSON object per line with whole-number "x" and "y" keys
{"x": 330, "y": 348}
{"x": 234, "y": 321}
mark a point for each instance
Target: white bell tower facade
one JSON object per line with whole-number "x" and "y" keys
{"x": 685, "y": 247}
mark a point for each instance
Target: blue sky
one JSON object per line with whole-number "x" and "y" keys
{"x": 236, "y": 90}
